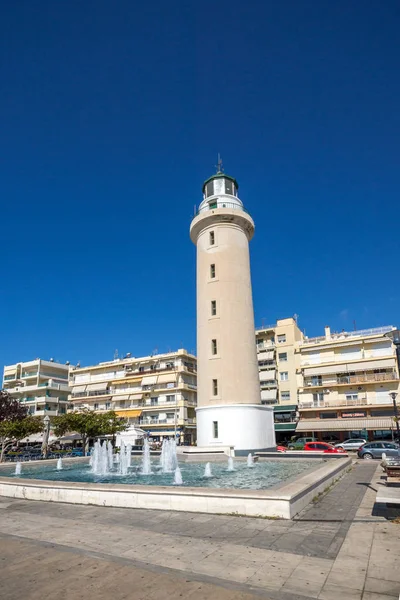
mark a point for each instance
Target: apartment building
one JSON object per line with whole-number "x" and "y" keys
{"x": 280, "y": 378}
{"x": 157, "y": 393}
{"x": 347, "y": 381}
{"x": 42, "y": 385}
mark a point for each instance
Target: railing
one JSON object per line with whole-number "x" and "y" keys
{"x": 158, "y": 422}
{"x": 190, "y": 421}
{"x": 26, "y": 375}
{"x": 265, "y": 346}
{"x": 263, "y": 327}
{"x": 346, "y": 334}
{"x": 220, "y": 204}
{"x": 348, "y": 379}
{"x": 10, "y": 377}
{"x": 334, "y": 403}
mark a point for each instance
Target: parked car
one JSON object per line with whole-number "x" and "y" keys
{"x": 351, "y": 444}
{"x": 376, "y": 449}
{"x": 300, "y": 442}
{"x": 322, "y": 447}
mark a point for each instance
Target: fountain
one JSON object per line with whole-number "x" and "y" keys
{"x": 110, "y": 455}
{"x": 100, "y": 458}
{"x": 168, "y": 459}
{"x": 231, "y": 466}
{"x": 178, "y": 477}
{"x": 18, "y": 468}
{"x": 207, "y": 470}
{"x": 250, "y": 460}
{"x": 146, "y": 462}
{"x": 123, "y": 459}
{"x": 129, "y": 454}
{"x": 59, "y": 464}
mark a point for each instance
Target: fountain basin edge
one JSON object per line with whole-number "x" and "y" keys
{"x": 283, "y": 501}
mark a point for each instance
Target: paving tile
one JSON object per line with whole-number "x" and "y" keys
{"x": 353, "y": 578}
{"x": 391, "y": 588}
{"x": 377, "y": 596}
{"x": 338, "y": 592}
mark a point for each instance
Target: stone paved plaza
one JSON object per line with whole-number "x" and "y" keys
{"x": 339, "y": 547}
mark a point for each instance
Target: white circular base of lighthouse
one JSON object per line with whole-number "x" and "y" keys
{"x": 246, "y": 427}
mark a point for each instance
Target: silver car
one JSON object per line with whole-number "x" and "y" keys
{"x": 352, "y": 444}
{"x": 376, "y": 449}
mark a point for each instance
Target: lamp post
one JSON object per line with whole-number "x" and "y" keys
{"x": 395, "y": 337}
{"x": 46, "y": 433}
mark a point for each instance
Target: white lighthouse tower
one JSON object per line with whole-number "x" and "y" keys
{"x": 229, "y": 410}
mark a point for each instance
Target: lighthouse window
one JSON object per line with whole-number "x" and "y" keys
{"x": 215, "y": 429}
{"x": 214, "y": 348}
{"x": 215, "y": 387}
{"x": 212, "y": 271}
{"x": 228, "y": 187}
{"x": 213, "y": 308}
{"x": 212, "y": 238}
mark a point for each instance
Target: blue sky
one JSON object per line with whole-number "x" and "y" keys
{"x": 112, "y": 115}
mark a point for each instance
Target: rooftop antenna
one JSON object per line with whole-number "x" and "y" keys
{"x": 296, "y": 317}
{"x": 219, "y": 166}
{"x": 115, "y": 354}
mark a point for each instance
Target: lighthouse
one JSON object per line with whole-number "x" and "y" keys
{"x": 229, "y": 410}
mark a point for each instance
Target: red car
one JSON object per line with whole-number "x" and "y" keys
{"x": 323, "y": 447}
{"x": 281, "y": 449}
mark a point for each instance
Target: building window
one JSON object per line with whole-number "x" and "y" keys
{"x": 96, "y": 406}
{"x": 171, "y": 415}
{"x": 141, "y": 369}
{"x": 108, "y": 405}
{"x": 282, "y": 338}
{"x": 285, "y": 396}
{"x": 154, "y": 401}
{"x": 284, "y": 375}
{"x": 316, "y": 380}
{"x": 214, "y": 348}
{"x": 215, "y": 429}
{"x": 318, "y": 398}
{"x": 282, "y": 356}
{"x": 212, "y": 238}
{"x": 215, "y": 387}
{"x": 213, "y": 308}
{"x": 171, "y": 398}
{"x": 328, "y": 415}
{"x": 212, "y": 271}
{"x": 351, "y": 396}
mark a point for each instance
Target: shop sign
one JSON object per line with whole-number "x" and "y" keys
{"x": 352, "y": 415}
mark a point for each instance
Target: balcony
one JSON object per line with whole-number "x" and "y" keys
{"x": 43, "y": 413}
{"x": 349, "y": 334}
{"x": 27, "y": 375}
{"x": 351, "y": 379}
{"x": 213, "y": 205}
{"x": 310, "y": 404}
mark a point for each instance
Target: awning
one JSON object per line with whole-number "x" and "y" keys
{"x": 268, "y": 394}
{"x": 267, "y": 375}
{"x": 128, "y": 413}
{"x": 265, "y": 355}
{"x": 344, "y": 424}
{"x": 97, "y": 387}
{"x": 135, "y": 396}
{"x": 368, "y": 365}
{"x": 77, "y": 389}
{"x": 167, "y": 378}
{"x": 285, "y": 426}
{"x": 149, "y": 380}
{"x": 120, "y": 397}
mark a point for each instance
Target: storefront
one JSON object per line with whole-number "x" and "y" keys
{"x": 349, "y": 424}
{"x": 285, "y": 421}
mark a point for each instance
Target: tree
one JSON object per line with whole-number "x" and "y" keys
{"x": 15, "y": 423}
{"x": 88, "y": 424}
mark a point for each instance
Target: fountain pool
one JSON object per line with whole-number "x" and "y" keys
{"x": 264, "y": 475}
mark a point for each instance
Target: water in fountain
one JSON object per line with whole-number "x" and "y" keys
{"x": 129, "y": 454}
{"x": 178, "y": 477}
{"x": 146, "y": 462}
{"x": 100, "y": 459}
{"x": 250, "y": 460}
{"x": 231, "y": 466}
{"x": 123, "y": 459}
{"x": 207, "y": 470}
{"x": 110, "y": 456}
{"x": 18, "y": 468}
{"x": 59, "y": 464}
{"x": 168, "y": 459}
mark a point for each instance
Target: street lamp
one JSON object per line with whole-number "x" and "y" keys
{"x": 46, "y": 433}
{"x": 395, "y": 337}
